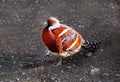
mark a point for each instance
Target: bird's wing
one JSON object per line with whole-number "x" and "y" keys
{"x": 66, "y": 37}
{"x": 61, "y": 37}
{"x": 59, "y": 44}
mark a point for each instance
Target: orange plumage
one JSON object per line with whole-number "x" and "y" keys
{"x": 63, "y": 41}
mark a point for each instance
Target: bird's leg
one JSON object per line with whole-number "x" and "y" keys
{"x": 59, "y": 62}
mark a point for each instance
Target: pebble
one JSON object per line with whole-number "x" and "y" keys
{"x": 37, "y": 1}
{"x": 99, "y": 81}
{"x": 62, "y": 71}
{"x": 73, "y": 65}
{"x": 28, "y": 78}
{"x": 95, "y": 72}
{"x": 55, "y": 74}
{"x": 106, "y": 74}
{"x": 101, "y": 50}
{"x": 14, "y": 62}
{"x": 89, "y": 54}
{"x": 3, "y": 0}
{"x": 58, "y": 80}
{"x": 118, "y": 75}
{"x": 53, "y": 78}
{"x": 2, "y": 73}
{"x": 17, "y": 79}
{"x": 69, "y": 67}
{"x": 23, "y": 73}
{"x": 81, "y": 79}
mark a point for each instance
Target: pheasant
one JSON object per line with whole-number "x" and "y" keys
{"x": 63, "y": 41}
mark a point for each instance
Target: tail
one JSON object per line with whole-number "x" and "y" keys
{"x": 91, "y": 46}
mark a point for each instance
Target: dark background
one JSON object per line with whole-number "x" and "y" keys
{"x": 23, "y": 54}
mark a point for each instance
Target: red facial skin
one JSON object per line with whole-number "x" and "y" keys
{"x": 51, "y": 22}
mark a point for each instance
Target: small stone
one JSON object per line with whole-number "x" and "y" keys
{"x": 68, "y": 67}
{"x": 118, "y": 75}
{"x": 17, "y": 79}
{"x": 58, "y": 80}
{"x": 10, "y": 81}
{"x": 81, "y": 79}
{"x": 89, "y": 54}
{"x": 23, "y": 73}
{"x": 79, "y": 26}
{"x": 73, "y": 65}
{"x": 53, "y": 78}
{"x": 48, "y": 75}
{"x": 106, "y": 74}
{"x": 101, "y": 50}
{"x": 99, "y": 81}
{"x": 95, "y": 71}
{"x": 2, "y": 73}
{"x": 37, "y": 1}
{"x": 12, "y": 57}
{"x": 14, "y": 62}
{"x": 62, "y": 71}
{"x": 55, "y": 74}
{"x": 28, "y": 79}
{"x": 3, "y": 0}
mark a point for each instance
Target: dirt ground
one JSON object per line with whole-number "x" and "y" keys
{"x": 23, "y": 54}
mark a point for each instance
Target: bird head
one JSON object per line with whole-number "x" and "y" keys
{"x": 53, "y": 23}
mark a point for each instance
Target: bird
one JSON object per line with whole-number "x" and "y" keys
{"x": 63, "y": 41}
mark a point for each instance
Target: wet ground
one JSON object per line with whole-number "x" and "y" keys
{"x": 23, "y": 54}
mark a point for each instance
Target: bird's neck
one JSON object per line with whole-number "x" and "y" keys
{"x": 56, "y": 25}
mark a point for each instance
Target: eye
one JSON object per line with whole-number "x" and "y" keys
{"x": 51, "y": 22}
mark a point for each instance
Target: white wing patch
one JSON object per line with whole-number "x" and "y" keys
{"x": 56, "y": 25}
{"x": 73, "y": 44}
{"x": 63, "y": 32}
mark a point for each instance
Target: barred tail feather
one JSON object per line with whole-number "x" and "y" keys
{"x": 91, "y": 46}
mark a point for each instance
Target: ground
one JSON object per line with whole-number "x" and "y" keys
{"x": 23, "y": 53}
